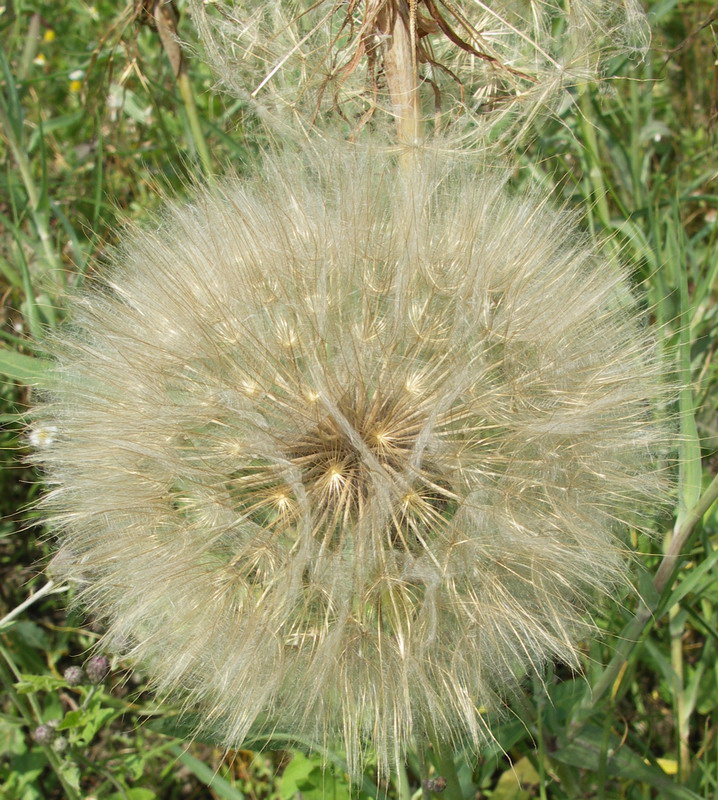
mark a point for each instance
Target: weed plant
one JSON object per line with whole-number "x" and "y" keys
{"x": 95, "y": 126}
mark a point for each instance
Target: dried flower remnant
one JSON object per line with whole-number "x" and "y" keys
{"x": 497, "y": 64}
{"x": 349, "y": 451}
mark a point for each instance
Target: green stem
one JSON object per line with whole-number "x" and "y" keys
{"x": 403, "y": 789}
{"x": 647, "y": 610}
{"x": 30, "y": 50}
{"x": 34, "y": 201}
{"x": 424, "y": 772}
{"x": 443, "y": 758}
{"x": 195, "y": 127}
{"x": 32, "y": 717}
{"x": 595, "y": 173}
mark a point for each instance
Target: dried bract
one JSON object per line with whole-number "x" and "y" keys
{"x": 351, "y": 450}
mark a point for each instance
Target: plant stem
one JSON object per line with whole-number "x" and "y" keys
{"x": 165, "y": 16}
{"x": 397, "y": 21}
{"x": 39, "y": 216}
{"x": 47, "y": 589}
{"x": 403, "y": 789}
{"x": 595, "y": 171}
{"x": 647, "y": 610}
{"x": 443, "y": 757}
{"x": 32, "y": 717}
{"x": 200, "y": 143}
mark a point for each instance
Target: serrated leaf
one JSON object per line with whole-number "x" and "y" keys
{"x": 26, "y": 768}
{"x": 29, "y": 684}
{"x": 85, "y": 723}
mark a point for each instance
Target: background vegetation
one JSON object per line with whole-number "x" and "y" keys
{"x": 93, "y": 127}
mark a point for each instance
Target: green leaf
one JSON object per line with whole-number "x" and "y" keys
{"x": 31, "y": 634}
{"x": 71, "y": 720}
{"x": 690, "y": 467}
{"x": 12, "y": 739}
{"x": 296, "y": 775}
{"x": 71, "y": 774}
{"x": 306, "y": 776}
{"x": 29, "y": 684}
{"x": 19, "y": 367}
{"x": 696, "y": 581}
{"x": 133, "y": 794}
{"x": 25, "y": 770}
{"x": 86, "y": 722}
{"x": 517, "y": 782}
{"x": 587, "y": 749}
{"x": 221, "y": 787}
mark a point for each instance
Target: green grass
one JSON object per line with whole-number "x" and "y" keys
{"x": 637, "y": 158}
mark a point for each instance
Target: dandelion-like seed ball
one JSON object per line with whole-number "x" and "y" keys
{"x": 349, "y": 448}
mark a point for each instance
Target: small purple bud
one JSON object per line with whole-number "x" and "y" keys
{"x": 74, "y": 676}
{"x": 44, "y": 734}
{"x": 97, "y": 669}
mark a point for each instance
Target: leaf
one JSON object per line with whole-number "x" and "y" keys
{"x": 133, "y": 794}
{"x": 31, "y": 634}
{"x": 587, "y": 748}
{"x": 85, "y": 723}
{"x": 25, "y": 769}
{"x": 690, "y": 467}
{"x": 71, "y": 774}
{"x": 29, "y": 684}
{"x": 306, "y": 776}
{"x": 296, "y": 775}
{"x": 221, "y": 787}
{"x": 696, "y": 581}
{"x": 517, "y": 782}
{"x": 12, "y": 739}
{"x": 26, "y": 369}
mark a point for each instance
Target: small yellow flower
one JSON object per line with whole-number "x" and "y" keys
{"x": 76, "y": 77}
{"x": 48, "y": 36}
{"x": 39, "y": 60}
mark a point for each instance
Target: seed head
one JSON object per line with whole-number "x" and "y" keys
{"x": 348, "y": 450}
{"x": 495, "y": 64}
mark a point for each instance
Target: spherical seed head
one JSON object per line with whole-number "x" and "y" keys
{"x": 74, "y": 676}
{"x": 495, "y": 64}
{"x": 97, "y": 669}
{"x": 348, "y": 449}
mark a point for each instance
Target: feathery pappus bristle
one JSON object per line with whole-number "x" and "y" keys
{"x": 351, "y": 449}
